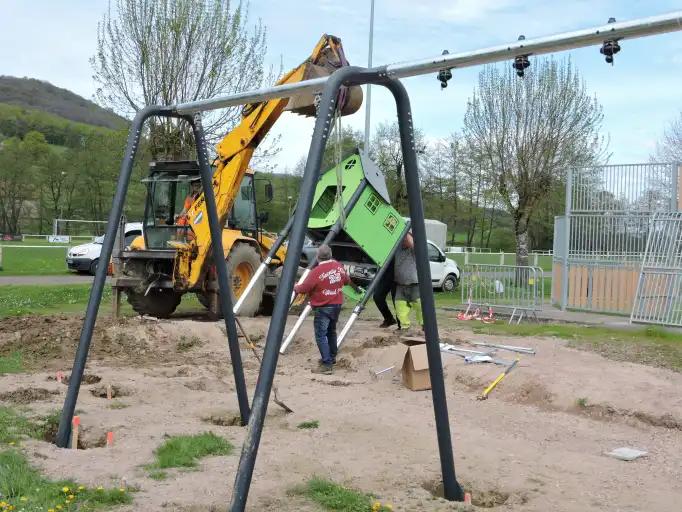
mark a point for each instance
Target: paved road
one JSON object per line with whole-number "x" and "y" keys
{"x": 62, "y": 279}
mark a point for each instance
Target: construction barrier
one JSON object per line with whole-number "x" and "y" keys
{"x": 518, "y": 288}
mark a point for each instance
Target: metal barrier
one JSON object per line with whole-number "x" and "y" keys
{"x": 658, "y": 299}
{"x": 518, "y": 288}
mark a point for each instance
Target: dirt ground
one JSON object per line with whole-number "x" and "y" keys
{"x": 537, "y": 444}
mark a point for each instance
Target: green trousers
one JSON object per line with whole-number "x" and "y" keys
{"x": 402, "y": 310}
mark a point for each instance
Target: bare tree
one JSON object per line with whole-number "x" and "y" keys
{"x": 387, "y": 153}
{"x": 168, "y": 51}
{"x": 531, "y": 130}
{"x": 669, "y": 149}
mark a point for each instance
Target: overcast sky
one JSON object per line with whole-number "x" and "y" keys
{"x": 53, "y": 40}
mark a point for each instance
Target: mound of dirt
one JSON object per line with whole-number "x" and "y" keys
{"x": 382, "y": 341}
{"x": 488, "y": 498}
{"x": 49, "y": 342}
{"x": 27, "y": 395}
{"x": 116, "y": 391}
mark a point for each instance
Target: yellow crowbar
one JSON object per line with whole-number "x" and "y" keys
{"x": 499, "y": 378}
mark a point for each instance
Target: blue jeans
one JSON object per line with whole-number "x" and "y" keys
{"x": 325, "y": 332}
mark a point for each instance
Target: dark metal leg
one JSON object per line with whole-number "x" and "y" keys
{"x": 452, "y": 489}
{"x": 277, "y": 323}
{"x": 225, "y": 294}
{"x": 64, "y": 431}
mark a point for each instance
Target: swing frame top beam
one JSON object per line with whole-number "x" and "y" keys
{"x": 632, "y": 29}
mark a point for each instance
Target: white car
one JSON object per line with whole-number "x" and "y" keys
{"x": 85, "y": 258}
{"x": 445, "y": 273}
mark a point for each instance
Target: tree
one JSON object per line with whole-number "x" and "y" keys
{"x": 387, "y": 154}
{"x": 530, "y": 130}
{"x": 154, "y": 52}
{"x": 21, "y": 163}
{"x": 669, "y": 149}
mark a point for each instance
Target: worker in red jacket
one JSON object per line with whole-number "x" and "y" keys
{"x": 324, "y": 289}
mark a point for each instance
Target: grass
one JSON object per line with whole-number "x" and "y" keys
{"x": 50, "y": 299}
{"x": 14, "y": 426}
{"x": 116, "y": 404}
{"x": 334, "y": 497}
{"x": 25, "y": 261}
{"x": 24, "y": 488}
{"x": 581, "y": 402}
{"x": 13, "y": 363}
{"x": 184, "y": 451}
{"x": 308, "y": 424}
{"x": 39, "y": 299}
{"x": 650, "y": 345}
{"x": 185, "y": 344}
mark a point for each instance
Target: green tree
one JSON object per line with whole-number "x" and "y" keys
{"x": 530, "y": 130}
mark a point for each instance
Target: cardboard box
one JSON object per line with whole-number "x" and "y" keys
{"x": 416, "y": 365}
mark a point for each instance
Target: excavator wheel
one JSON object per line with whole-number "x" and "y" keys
{"x": 159, "y": 303}
{"x": 242, "y": 262}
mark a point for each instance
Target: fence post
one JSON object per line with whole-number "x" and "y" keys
{"x": 501, "y": 258}
{"x": 535, "y": 259}
{"x": 466, "y": 258}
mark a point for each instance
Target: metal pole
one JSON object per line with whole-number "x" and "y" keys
{"x": 452, "y": 489}
{"x": 670, "y": 22}
{"x": 64, "y": 430}
{"x": 369, "y": 86}
{"x": 323, "y": 125}
{"x": 261, "y": 268}
{"x": 567, "y": 239}
{"x": 225, "y": 294}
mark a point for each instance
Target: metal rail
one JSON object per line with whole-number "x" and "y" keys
{"x": 641, "y": 27}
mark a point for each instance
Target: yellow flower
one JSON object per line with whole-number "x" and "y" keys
{"x": 3, "y": 504}
{"x": 50, "y": 510}
{"x": 11, "y": 507}
{"x": 71, "y": 496}
{"x": 388, "y": 506}
{"x": 121, "y": 489}
{"x": 65, "y": 489}
{"x": 376, "y": 506}
{"x": 81, "y": 487}
{"x": 23, "y": 498}
{"x": 100, "y": 488}
{"x": 12, "y": 443}
{"x": 59, "y": 507}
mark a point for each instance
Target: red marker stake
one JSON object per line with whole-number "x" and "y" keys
{"x": 467, "y": 498}
{"x": 60, "y": 377}
{"x": 74, "y": 432}
{"x": 110, "y": 439}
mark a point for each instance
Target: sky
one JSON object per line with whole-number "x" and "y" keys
{"x": 640, "y": 94}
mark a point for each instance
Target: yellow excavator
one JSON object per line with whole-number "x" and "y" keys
{"x": 173, "y": 255}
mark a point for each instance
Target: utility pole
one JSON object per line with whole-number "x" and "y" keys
{"x": 369, "y": 65}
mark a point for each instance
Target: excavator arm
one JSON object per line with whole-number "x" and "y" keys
{"x": 234, "y": 152}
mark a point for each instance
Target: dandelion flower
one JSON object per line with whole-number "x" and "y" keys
{"x": 12, "y": 443}
{"x": 65, "y": 489}
{"x": 71, "y": 496}
{"x": 81, "y": 487}
{"x": 121, "y": 489}
{"x": 100, "y": 488}
{"x": 50, "y": 510}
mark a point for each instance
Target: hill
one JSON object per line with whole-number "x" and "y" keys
{"x": 35, "y": 94}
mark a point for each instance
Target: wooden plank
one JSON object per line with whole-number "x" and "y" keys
{"x": 609, "y": 294}
{"x": 597, "y": 288}
{"x": 557, "y": 282}
{"x": 584, "y": 286}
{"x": 572, "y": 285}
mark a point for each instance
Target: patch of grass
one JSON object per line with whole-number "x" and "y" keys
{"x": 38, "y": 299}
{"x": 24, "y": 261}
{"x": 309, "y": 424}
{"x": 14, "y": 426}
{"x": 184, "y": 451}
{"x": 117, "y": 404}
{"x": 337, "y": 498}
{"x": 158, "y": 475}
{"x": 13, "y": 363}
{"x": 185, "y": 344}
{"x": 652, "y": 346}
{"x": 24, "y": 488}
{"x": 581, "y": 402}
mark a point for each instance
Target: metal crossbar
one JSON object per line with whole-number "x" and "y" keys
{"x": 518, "y": 288}
{"x": 658, "y": 299}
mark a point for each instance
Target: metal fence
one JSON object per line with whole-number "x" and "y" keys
{"x": 658, "y": 299}
{"x": 518, "y": 288}
{"x": 600, "y": 242}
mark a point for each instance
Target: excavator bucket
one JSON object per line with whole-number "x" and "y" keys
{"x": 304, "y": 104}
